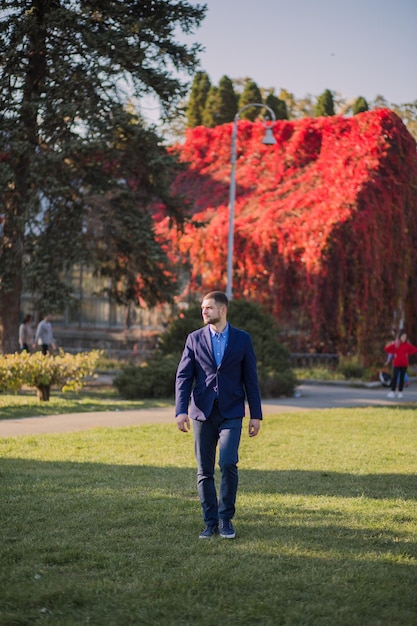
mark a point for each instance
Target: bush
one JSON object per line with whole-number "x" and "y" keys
{"x": 156, "y": 378}
{"x": 276, "y": 384}
{"x": 43, "y": 371}
{"x": 12, "y": 371}
{"x": 173, "y": 339}
{"x": 351, "y": 368}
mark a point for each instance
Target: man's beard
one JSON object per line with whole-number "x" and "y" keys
{"x": 212, "y": 320}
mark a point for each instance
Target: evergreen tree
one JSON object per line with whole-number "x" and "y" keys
{"x": 221, "y": 104}
{"x": 325, "y": 105}
{"x": 67, "y": 141}
{"x": 278, "y": 106}
{"x": 360, "y": 106}
{"x": 227, "y": 101}
{"x": 198, "y": 97}
{"x": 251, "y": 93}
{"x": 210, "y": 113}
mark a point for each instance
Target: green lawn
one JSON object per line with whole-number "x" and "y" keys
{"x": 100, "y": 527}
{"x": 26, "y": 403}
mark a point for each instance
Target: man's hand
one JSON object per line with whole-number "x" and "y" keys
{"x": 254, "y": 427}
{"x": 183, "y": 422}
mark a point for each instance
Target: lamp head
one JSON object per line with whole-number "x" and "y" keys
{"x": 269, "y": 139}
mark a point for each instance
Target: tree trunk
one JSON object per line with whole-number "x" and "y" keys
{"x": 17, "y": 197}
{"x": 44, "y": 392}
{"x": 10, "y": 292}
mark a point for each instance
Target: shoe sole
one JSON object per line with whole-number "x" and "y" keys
{"x": 228, "y": 536}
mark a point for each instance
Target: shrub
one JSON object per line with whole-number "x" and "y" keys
{"x": 12, "y": 371}
{"x": 43, "y": 371}
{"x": 351, "y": 368}
{"x": 154, "y": 379}
{"x": 276, "y": 384}
{"x": 173, "y": 339}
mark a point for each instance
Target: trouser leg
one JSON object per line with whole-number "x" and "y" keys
{"x": 394, "y": 380}
{"x": 229, "y": 437}
{"x": 205, "y": 444}
{"x": 402, "y": 371}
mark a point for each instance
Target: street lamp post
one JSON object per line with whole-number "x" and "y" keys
{"x": 268, "y": 139}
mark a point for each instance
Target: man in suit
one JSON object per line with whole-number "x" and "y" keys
{"x": 217, "y": 371}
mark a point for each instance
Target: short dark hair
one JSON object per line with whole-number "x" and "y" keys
{"x": 218, "y": 296}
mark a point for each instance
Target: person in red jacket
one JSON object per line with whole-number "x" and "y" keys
{"x": 401, "y": 349}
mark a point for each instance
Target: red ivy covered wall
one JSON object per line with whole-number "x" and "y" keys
{"x": 325, "y": 225}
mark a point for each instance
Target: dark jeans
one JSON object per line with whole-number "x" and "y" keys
{"x": 398, "y": 374}
{"x": 207, "y": 435}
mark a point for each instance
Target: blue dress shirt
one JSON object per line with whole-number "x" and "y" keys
{"x": 219, "y": 343}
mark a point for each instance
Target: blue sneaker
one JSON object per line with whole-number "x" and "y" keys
{"x": 226, "y": 529}
{"x": 209, "y": 532}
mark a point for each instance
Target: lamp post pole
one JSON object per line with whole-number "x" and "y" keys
{"x": 269, "y": 139}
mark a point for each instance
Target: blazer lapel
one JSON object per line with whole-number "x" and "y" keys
{"x": 230, "y": 342}
{"x": 208, "y": 342}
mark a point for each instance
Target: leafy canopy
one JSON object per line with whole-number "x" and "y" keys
{"x": 79, "y": 167}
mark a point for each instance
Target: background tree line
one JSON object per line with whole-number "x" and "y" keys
{"x": 211, "y": 105}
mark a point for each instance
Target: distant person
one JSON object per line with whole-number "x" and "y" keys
{"x": 26, "y": 339}
{"x": 217, "y": 371}
{"x": 401, "y": 349}
{"x": 386, "y": 378}
{"x": 44, "y": 335}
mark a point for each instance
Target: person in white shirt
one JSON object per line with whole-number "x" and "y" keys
{"x": 26, "y": 341}
{"x": 44, "y": 335}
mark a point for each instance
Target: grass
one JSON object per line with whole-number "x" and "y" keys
{"x": 106, "y": 398}
{"x": 100, "y": 527}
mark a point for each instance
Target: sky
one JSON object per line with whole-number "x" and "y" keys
{"x": 352, "y": 47}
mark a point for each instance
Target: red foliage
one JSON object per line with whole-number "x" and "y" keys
{"x": 325, "y": 223}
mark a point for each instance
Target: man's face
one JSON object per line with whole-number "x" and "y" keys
{"x": 210, "y": 311}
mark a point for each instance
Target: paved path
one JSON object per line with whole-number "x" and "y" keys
{"x": 309, "y": 396}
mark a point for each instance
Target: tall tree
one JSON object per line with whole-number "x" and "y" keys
{"x": 221, "y": 104}
{"x": 227, "y": 101}
{"x": 278, "y": 106}
{"x": 211, "y": 110}
{"x": 251, "y": 93}
{"x": 325, "y": 104}
{"x": 360, "y": 105}
{"x": 198, "y": 98}
{"x": 66, "y": 69}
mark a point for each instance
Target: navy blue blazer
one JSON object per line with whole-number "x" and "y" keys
{"x": 236, "y": 378}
